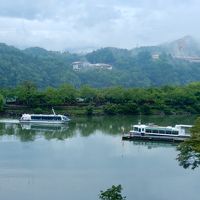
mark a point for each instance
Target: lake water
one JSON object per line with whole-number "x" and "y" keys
{"x": 78, "y": 160}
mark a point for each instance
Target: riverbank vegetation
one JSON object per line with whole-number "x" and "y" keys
{"x": 114, "y": 100}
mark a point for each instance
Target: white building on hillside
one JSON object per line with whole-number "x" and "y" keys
{"x": 79, "y": 65}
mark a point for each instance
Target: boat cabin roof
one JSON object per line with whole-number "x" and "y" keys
{"x": 45, "y": 115}
{"x": 183, "y": 126}
{"x": 51, "y": 115}
{"x": 153, "y": 126}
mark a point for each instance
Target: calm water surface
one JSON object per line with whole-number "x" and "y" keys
{"x": 78, "y": 160}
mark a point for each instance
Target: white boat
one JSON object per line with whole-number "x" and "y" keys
{"x": 44, "y": 119}
{"x": 161, "y": 133}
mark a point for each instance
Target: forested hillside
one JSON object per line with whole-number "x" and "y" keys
{"x": 131, "y": 68}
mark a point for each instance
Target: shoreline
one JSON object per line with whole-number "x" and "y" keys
{"x": 76, "y": 110}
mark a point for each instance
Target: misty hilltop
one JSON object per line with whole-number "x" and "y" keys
{"x": 172, "y": 63}
{"x": 180, "y": 48}
{"x": 183, "y": 47}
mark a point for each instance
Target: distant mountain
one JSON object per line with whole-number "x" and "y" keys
{"x": 37, "y": 51}
{"x": 166, "y": 64}
{"x": 83, "y": 50}
{"x": 183, "y": 47}
{"x": 186, "y": 46}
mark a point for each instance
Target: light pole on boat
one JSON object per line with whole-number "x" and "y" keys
{"x": 53, "y": 111}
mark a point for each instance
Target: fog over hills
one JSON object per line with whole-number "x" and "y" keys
{"x": 184, "y": 47}
{"x": 172, "y": 63}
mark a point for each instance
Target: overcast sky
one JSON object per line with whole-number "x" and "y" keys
{"x": 64, "y": 24}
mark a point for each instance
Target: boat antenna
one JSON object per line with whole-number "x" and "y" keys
{"x": 53, "y": 111}
{"x": 140, "y": 120}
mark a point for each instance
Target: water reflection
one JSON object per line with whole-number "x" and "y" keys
{"x": 188, "y": 156}
{"x": 92, "y": 150}
{"x": 48, "y": 131}
{"x": 44, "y": 127}
{"x": 114, "y": 125}
{"x": 152, "y": 144}
{"x": 30, "y": 132}
{"x": 86, "y": 126}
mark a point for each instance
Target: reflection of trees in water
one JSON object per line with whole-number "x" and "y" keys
{"x": 26, "y": 135}
{"x": 68, "y": 132}
{"x": 15, "y": 130}
{"x": 85, "y": 126}
{"x": 114, "y": 125}
{"x": 31, "y": 132}
{"x": 154, "y": 144}
{"x": 111, "y": 125}
{"x": 8, "y": 129}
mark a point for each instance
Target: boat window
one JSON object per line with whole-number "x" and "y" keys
{"x": 175, "y": 132}
{"x": 162, "y": 131}
{"x": 155, "y": 131}
{"x": 58, "y": 118}
{"x": 45, "y": 118}
{"x": 36, "y": 117}
{"x": 168, "y": 132}
{"x": 135, "y": 128}
{"x": 65, "y": 118}
{"x": 139, "y": 129}
{"x": 148, "y": 130}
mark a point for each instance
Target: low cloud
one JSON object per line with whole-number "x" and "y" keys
{"x": 59, "y": 24}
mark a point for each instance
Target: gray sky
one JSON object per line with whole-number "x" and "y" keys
{"x": 62, "y": 24}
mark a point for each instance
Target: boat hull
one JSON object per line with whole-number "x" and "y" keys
{"x": 154, "y": 138}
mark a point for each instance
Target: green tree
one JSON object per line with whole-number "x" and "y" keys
{"x": 189, "y": 155}
{"x": 195, "y": 130}
{"x": 89, "y": 110}
{"x": 88, "y": 93}
{"x": 115, "y": 94}
{"x": 52, "y": 97}
{"x": 113, "y": 193}
{"x": 111, "y": 109}
{"x": 26, "y": 93}
{"x": 67, "y": 93}
{"x": 144, "y": 57}
{"x": 1, "y": 102}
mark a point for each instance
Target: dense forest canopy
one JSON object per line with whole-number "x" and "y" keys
{"x": 131, "y": 68}
{"x": 114, "y": 100}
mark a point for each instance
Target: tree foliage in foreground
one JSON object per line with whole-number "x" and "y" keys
{"x": 113, "y": 193}
{"x": 189, "y": 155}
